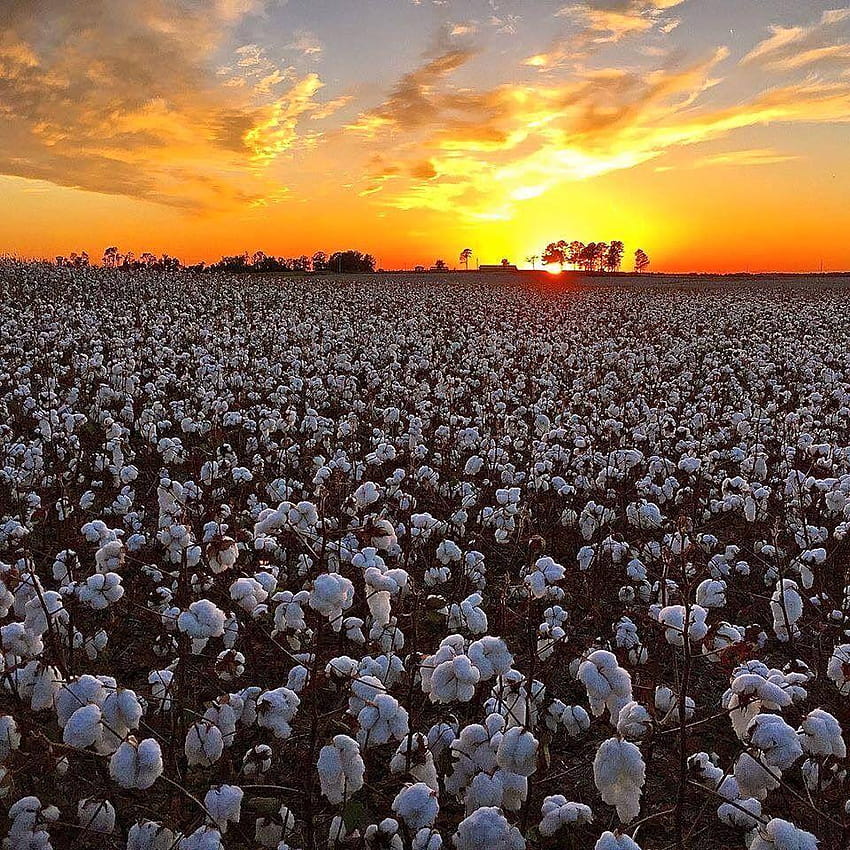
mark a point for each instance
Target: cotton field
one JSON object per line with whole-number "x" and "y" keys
{"x": 410, "y": 563}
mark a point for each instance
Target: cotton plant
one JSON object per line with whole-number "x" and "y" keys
{"x": 619, "y": 773}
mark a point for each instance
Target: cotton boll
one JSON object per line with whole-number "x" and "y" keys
{"x": 276, "y": 710}
{"x": 779, "y": 834}
{"x": 731, "y": 814}
{"x": 136, "y": 764}
{"x": 454, "y": 680}
{"x": 202, "y": 620}
{"x": 673, "y": 618}
{"x": 776, "y": 740}
{"x": 487, "y": 829}
{"x": 558, "y": 813}
{"x": 619, "y": 773}
{"x": 341, "y": 769}
{"x": 517, "y": 752}
{"x": 838, "y": 668}
{"x": 10, "y": 736}
{"x": 203, "y": 838}
{"x": 754, "y": 779}
{"x": 381, "y": 721}
{"x": 257, "y": 760}
{"x": 248, "y": 594}
{"x": 610, "y": 841}
{"x": 786, "y": 605}
{"x": 608, "y": 685}
{"x": 417, "y": 805}
{"x": 204, "y": 744}
{"x": 332, "y": 594}
{"x": 150, "y": 835}
{"x": 100, "y": 590}
{"x": 224, "y": 805}
{"x": 96, "y": 815}
{"x": 490, "y": 656}
{"x": 84, "y": 727}
{"x": 820, "y": 735}
{"x": 427, "y": 839}
{"x": 711, "y": 593}
{"x": 634, "y": 721}
{"x": 545, "y": 574}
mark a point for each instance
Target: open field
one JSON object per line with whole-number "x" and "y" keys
{"x": 398, "y": 561}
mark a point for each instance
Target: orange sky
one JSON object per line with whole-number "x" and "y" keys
{"x": 714, "y": 138}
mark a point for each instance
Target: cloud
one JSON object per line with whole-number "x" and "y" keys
{"x": 821, "y": 44}
{"x": 120, "y": 96}
{"x": 489, "y": 150}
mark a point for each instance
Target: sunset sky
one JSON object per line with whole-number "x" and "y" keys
{"x": 712, "y": 133}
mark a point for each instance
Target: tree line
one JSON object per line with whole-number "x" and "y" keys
{"x": 590, "y": 257}
{"x": 343, "y": 262}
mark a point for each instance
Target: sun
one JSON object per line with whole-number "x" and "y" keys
{"x": 552, "y": 269}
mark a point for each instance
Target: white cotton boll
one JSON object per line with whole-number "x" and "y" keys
{"x": 468, "y": 615}
{"x": 454, "y": 680}
{"x": 558, "y": 813}
{"x": 610, "y": 841}
{"x": 711, "y": 593}
{"x": 634, "y": 721}
{"x": 776, "y": 740}
{"x": 150, "y": 835}
{"x": 229, "y": 665}
{"x": 136, "y": 764}
{"x": 730, "y": 814}
{"x": 160, "y": 682}
{"x": 619, "y": 773}
{"x": 203, "y": 620}
{"x": 820, "y": 735}
{"x": 487, "y": 829}
{"x": 224, "y": 805}
{"x": 10, "y": 736}
{"x": 257, "y": 760}
{"x": 490, "y": 656}
{"x": 413, "y": 751}
{"x": 122, "y": 709}
{"x": 517, "y": 752}
{"x": 381, "y": 721}
{"x": 608, "y": 685}
{"x": 203, "y": 838}
{"x": 673, "y": 618}
{"x": 417, "y": 805}
{"x": 574, "y": 718}
{"x": 248, "y": 593}
{"x": 753, "y": 778}
{"x": 427, "y": 839}
{"x": 76, "y": 693}
{"x": 545, "y": 574}
{"x": 96, "y": 815}
{"x": 204, "y": 744}
{"x": 786, "y": 605}
{"x": 838, "y": 668}
{"x": 276, "y": 710}
{"x": 273, "y": 831}
{"x": 84, "y": 727}
{"x": 667, "y": 706}
{"x": 332, "y": 594}
{"x": 780, "y": 834}
{"x": 341, "y": 769}
{"x": 297, "y": 679}
{"x": 100, "y": 590}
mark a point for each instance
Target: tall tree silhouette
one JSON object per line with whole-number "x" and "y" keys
{"x": 465, "y": 257}
{"x": 533, "y": 260}
{"x": 555, "y": 252}
{"x": 641, "y": 261}
{"x": 614, "y": 256}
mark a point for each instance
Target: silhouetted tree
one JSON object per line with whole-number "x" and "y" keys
{"x": 351, "y": 262}
{"x": 555, "y": 252}
{"x": 465, "y": 257}
{"x": 440, "y": 265}
{"x": 111, "y": 257}
{"x": 533, "y": 260}
{"x": 320, "y": 261}
{"x": 588, "y": 257}
{"x": 641, "y": 261}
{"x": 614, "y": 256}
{"x": 574, "y": 250}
